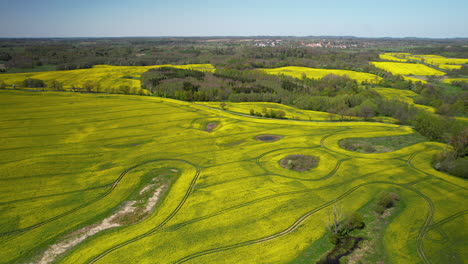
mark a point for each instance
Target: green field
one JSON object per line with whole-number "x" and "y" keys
{"x": 313, "y": 73}
{"x": 70, "y": 160}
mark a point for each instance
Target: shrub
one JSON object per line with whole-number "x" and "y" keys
{"x": 386, "y": 200}
{"x": 460, "y": 168}
{"x": 33, "y": 83}
{"x": 299, "y": 162}
{"x": 354, "y": 221}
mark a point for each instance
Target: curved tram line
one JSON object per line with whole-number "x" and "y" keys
{"x": 423, "y": 231}
{"x": 304, "y": 217}
{"x": 112, "y": 187}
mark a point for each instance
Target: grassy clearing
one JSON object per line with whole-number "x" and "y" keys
{"x": 380, "y": 144}
{"x": 312, "y": 73}
{"x": 71, "y": 160}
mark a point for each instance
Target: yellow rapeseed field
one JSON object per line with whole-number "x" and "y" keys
{"x": 398, "y": 57}
{"x": 407, "y": 68}
{"x": 313, "y": 73}
{"x": 406, "y": 96}
{"x": 106, "y": 75}
{"x": 449, "y": 67}
{"x": 71, "y": 163}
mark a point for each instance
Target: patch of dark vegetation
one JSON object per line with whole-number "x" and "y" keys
{"x": 454, "y": 161}
{"x": 340, "y": 228}
{"x": 457, "y": 167}
{"x": 130, "y": 77}
{"x": 268, "y": 138}
{"x": 299, "y": 162}
{"x": 153, "y": 77}
{"x": 344, "y": 248}
{"x": 211, "y": 126}
{"x": 386, "y": 200}
{"x": 270, "y": 113}
{"x": 33, "y": 83}
{"x": 380, "y": 144}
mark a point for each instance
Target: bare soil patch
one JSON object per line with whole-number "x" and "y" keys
{"x": 268, "y": 138}
{"x": 299, "y": 162}
{"x": 211, "y": 126}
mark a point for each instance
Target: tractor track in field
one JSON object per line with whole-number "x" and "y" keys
{"x": 76, "y": 143}
{"x": 448, "y": 219}
{"x": 413, "y": 155}
{"x": 294, "y": 120}
{"x": 330, "y": 174}
{"x": 304, "y": 217}
{"x": 427, "y": 225}
{"x": 77, "y": 115}
{"x": 112, "y": 187}
{"x": 92, "y": 121}
{"x": 140, "y": 124}
{"x": 180, "y": 225}
{"x": 53, "y": 194}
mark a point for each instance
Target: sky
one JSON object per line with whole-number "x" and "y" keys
{"x": 122, "y": 18}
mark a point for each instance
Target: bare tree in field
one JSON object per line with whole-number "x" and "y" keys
{"x": 335, "y": 218}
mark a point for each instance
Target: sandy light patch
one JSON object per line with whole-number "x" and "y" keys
{"x": 130, "y": 208}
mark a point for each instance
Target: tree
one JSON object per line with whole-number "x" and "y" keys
{"x": 459, "y": 140}
{"x": 223, "y": 105}
{"x": 281, "y": 114}
{"x": 33, "y": 83}
{"x": 56, "y": 85}
{"x": 88, "y": 86}
{"x": 125, "y": 89}
{"x": 335, "y": 218}
{"x": 430, "y": 125}
{"x": 354, "y": 221}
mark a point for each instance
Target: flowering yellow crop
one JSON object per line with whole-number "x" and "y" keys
{"x": 314, "y": 73}
{"x": 407, "y": 68}
{"x": 70, "y": 161}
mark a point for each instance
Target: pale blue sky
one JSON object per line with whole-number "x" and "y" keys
{"x": 114, "y": 18}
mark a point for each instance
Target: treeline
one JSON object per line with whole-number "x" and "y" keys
{"x": 454, "y": 50}
{"x": 445, "y": 98}
{"x": 85, "y": 53}
{"x": 270, "y": 113}
{"x": 71, "y": 54}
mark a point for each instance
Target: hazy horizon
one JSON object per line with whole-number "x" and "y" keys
{"x": 242, "y": 18}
